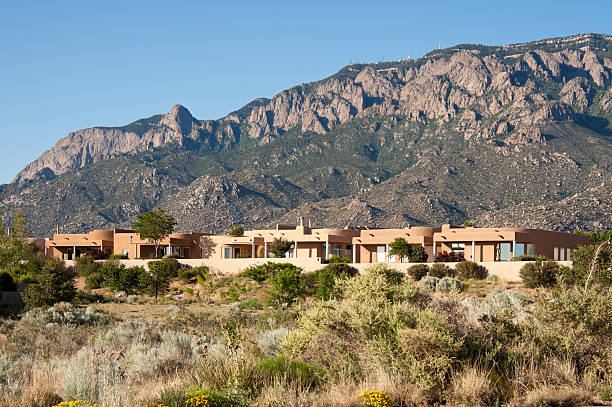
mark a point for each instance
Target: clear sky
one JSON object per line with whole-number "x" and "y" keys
{"x": 67, "y": 65}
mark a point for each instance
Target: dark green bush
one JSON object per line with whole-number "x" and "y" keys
{"x": 337, "y": 259}
{"x": 94, "y": 280}
{"x": 237, "y": 230}
{"x": 189, "y": 275}
{"x": 418, "y": 271}
{"x": 6, "y": 281}
{"x": 469, "y": 269}
{"x": 326, "y": 277}
{"x": 118, "y": 257}
{"x": 287, "y": 284}
{"x": 440, "y": 270}
{"x": 540, "y": 273}
{"x": 119, "y": 278}
{"x": 55, "y": 283}
{"x": 264, "y": 271}
{"x": 85, "y": 265}
{"x": 391, "y": 275}
{"x": 281, "y": 369}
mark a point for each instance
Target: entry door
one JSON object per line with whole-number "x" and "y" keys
{"x": 380, "y": 254}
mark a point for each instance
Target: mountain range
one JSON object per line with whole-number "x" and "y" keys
{"x": 515, "y": 135}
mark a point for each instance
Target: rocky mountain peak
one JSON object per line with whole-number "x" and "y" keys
{"x": 179, "y": 119}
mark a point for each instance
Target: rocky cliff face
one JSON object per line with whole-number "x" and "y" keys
{"x": 354, "y": 139}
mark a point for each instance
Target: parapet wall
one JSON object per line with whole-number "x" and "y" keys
{"x": 506, "y": 270}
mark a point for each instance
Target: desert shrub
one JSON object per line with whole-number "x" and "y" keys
{"x": 118, "y": 257}
{"x": 251, "y": 303}
{"x": 493, "y": 277}
{"x": 6, "y": 281}
{"x": 441, "y": 270}
{"x": 417, "y": 254}
{"x": 264, "y": 271}
{"x": 429, "y": 282}
{"x": 529, "y": 257}
{"x": 287, "y": 285}
{"x": 540, "y": 274}
{"x": 582, "y": 263}
{"x": 54, "y": 283}
{"x": 170, "y": 265}
{"x": 131, "y": 299}
{"x": 94, "y": 280}
{"x": 418, "y": 271}
{"x": 236, "y": 230}
{"x": 337, "y": 259}
{"x": 390, "y": 274}
{"x": 85, "y": 265}
{"x": 448, "y": 284}
{"x": 293, "y": 372}
{"x": 326, "y": 278}
{"x": 188, "y": 275}
{"x": 64, "y": 314}
{"x": 269, "y": 341}
{"x": 472, "y": 387}
{"x": 469, "y": 269}
{"x": 117, "y": 277}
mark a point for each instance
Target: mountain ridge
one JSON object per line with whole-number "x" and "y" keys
{"x": 382, "y": 127}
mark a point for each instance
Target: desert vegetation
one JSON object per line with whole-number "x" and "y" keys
{"x": 276, "y": 336}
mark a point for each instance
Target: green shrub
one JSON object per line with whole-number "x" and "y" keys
{"x": 582, "y": 262}
{"x": 264, "y": 271}
{"x": 94, "y": 280}
{"x": 237, "y": 230}
{"x": 528, "y": 257}
{"x": 448, "y": 284}
{"x": 391, "y": 275}
{"x": 54, "y": 283}
{"x": 337, "y": 259}
{"x": 251, "y": 303}
{"x": 85, "y": 265}
{"x": 440, "y": 270}
{"x": 287, "y": 284}
{"x": 281, "y": 369}
{"x": 540, "y": 273}
{"x": 118, "y": 257}
{"x": 418, "y": 271}
{"x": 190, "y": 275}
{"x": 469, "y": 269}
{"x": 429, "y": 282}
{"x": 157, "y": 280}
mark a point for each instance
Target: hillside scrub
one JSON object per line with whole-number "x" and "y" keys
{"x": 331, "y": 338}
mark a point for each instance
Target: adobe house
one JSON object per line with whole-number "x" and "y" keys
{"x": 358, "y": 244}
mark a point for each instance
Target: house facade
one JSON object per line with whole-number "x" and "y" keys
{"x": 359, "y": 245}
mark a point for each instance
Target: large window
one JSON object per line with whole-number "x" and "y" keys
{"x": 380, "y": 254}
{"x": 337, "y": 250}
{"x": 227, "y": 252}
{"x": 530, "y": 249}
{"x": 504, "y": 251}
{"x": 458, "y": 249}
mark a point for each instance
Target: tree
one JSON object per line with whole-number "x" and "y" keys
{"x": 157, "y": 280}
{"x": 469, "y": 224}
{"x": 280, "y": 247}
{"x": 237, "y": 230}
{"x": 155, "y": 226}
{"x": 54, "y": 283}
{"x": 414, "y": 253}
{"x": 14, "y": 246}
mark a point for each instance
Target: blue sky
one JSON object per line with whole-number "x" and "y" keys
{"x": 67, "y": 65}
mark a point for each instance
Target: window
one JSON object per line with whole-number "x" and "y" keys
{"x": 107, "y": 251}
{"x": 380, "y": 254}
{"x": 504, "y": 251}
{"x": 201, "y": 253}
{"x": 569, "y": 254}
{"x": 69, "y": 254}
{"x": 338, "y": 250}
{"x": 561, "y": 254}
{"x": 186, "y": 252}
{"x": 556, "y": 253}
{"x": 177, "y": 251}
{"x": 458, "y": 249}
{"x": 519, "y": 249}
{"x": 227, "y": 252}
{"x": 530, "y": 249}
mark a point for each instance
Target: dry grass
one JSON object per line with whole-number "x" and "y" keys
{"x": 472, "y": 386}
{"x": 556, "y": 396}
